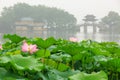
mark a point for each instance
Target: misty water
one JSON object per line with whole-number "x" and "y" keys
{"x": 80, "y": 35}
{"x": 98, "y": 36}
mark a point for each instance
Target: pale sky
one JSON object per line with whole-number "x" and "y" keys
{"x": 79, "y": 8}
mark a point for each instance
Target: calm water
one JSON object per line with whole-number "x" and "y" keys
{"x": 98, "y": 37}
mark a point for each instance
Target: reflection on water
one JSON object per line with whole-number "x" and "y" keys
{"x": 84, "y": 36}
{"x": 98, "y": 37}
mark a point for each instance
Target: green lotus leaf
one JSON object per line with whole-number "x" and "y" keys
{"x": 20, "y": 63}
{"x": 71, "y": 49}
{"x": 14, "y": 38}
{"x": 4, "y": 59}
{"x": 56, "y": 65}
{"x": 58, "y": 75}
{"x": 26, "y": 63}
{"x": 114, "y": 64}
{"x": 45, "y": 43}
{"x": 94, "y": 76}
{"x": 6, "y": 75}
{"x": 61, "y": 57}
{"x": 42, "y": 53}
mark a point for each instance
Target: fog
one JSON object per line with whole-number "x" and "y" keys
{"x": 83, "y": 19}
{"x": 79, "y": 8}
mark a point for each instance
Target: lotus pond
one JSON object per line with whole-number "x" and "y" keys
{"x": 23, "y": 58}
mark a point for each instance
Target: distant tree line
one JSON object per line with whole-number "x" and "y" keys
{"x": 56, "y": 19}
{"x": 110, "y": 23}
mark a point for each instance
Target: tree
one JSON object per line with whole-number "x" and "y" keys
{"x": 112, "y": 21}
{"x": 53, "y": 17}
{"x": 111, "y": 24}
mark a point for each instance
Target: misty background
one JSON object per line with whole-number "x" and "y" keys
{"x": 83, "y": 19}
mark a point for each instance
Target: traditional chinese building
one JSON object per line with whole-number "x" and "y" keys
{"x": 30, "y": 28}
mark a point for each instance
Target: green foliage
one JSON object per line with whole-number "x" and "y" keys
{"x": 94, "y": 76}
{"x": 51, "y": 16}
{"x": 21, "y": 65}
{"x": 110, "y": 23}
{"x": 45, "y": 43}
{"x": 56, "y": 65}
{"x": 60, "y": 60}
{"x": 14, "y": 38}
{"x": 60, "y": 75}
{"x": 43, "y": 53}
{"x": 61, "y": 57}
{"x": 5, "y": 75}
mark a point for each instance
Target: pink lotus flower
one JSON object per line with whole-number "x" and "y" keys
{"x": 33, "y": 48}
{"x": 1, "y": 47}
{"x": 73, "y": 39}
{"x": 25, "y": 47}
{"x": 29, "y": 48}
